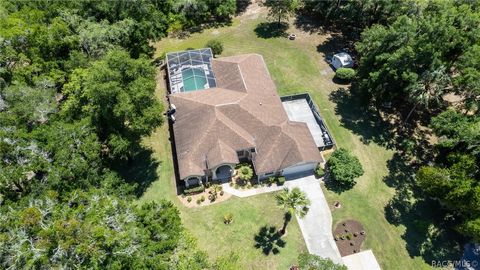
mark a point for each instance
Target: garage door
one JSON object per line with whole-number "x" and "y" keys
{"x": 305, "y": 168}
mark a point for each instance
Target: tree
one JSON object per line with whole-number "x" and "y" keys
{"x": 116, "y": 94}
{"x": 458, "y": 131}
{"x": 429, "y": 89}
{"x": 96, "y": 231}
{"x": 22, "y": 163}
{"x": 245, "y": 172}
{"x": 358, "y": 14}
{"x": 468, "y": 80}
{"x": 343, "y": 168}
{"x": 281, "y": 9}
{"x": 222, "y": 9}
{"x": 413, "y": 61}
{"x": 308, "y": 261}
{"x": 29, "y": 105}
{"x": 216, "y": 46}
{"x": 294, "y": 202}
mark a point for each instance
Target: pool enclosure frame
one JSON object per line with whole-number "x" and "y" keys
{"x": 179, "y": 62}
{"x": 318, "y": 118}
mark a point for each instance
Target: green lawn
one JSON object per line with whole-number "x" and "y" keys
{"x": 296, "y": 66}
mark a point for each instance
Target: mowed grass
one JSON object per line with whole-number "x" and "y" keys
{"x": 296, "y": 66}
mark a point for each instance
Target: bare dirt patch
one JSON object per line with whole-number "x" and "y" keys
{"x": 349, "y": 236}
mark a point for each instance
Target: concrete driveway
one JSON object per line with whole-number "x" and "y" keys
{"x": 316, "y": 226}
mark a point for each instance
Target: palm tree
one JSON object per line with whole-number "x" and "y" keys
{"x": 293, "y": 202}
{"x": 429, "y": 89}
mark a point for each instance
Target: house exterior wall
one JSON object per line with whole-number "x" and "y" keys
{"x": 300, "y": 168}
{"x": 193, "y": 180}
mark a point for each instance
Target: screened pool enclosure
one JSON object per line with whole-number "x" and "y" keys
{"x": 190, "y": 70}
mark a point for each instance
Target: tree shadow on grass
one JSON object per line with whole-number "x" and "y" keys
{"x": 334, "y": 186}
{"x": 429, "y": 232}
{"x": 140, "y": 171}
{"x": 242, "y": 6}
{"x": 382, "y": 126}
{"x": 269, "y": 240}
{"x": 336, "y": 43}
{"x": 360, "y": 119}
{"x": 271, "y": 30}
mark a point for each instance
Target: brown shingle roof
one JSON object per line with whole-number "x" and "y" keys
{"x": 221, "y": 153}
{"x": 243, "y": 111}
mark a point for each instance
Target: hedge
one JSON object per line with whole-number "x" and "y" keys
{"x": 194, "y": 190}
{"x": 345, "y": 73}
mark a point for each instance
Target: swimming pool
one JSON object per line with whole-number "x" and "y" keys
{"x": 193, "y": 79}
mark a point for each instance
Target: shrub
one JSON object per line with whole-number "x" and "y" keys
{"x": 228, "y": 218}
{"x": 202, "y": 199}
{"x": 344, "y": 167}
{"x": 245, "y": 172}
{"x": 189, "y": 199}
{"x": 345, "y": 74}
{"x": 221, "y": 193}
{"x": 311, "y": 261}
{"x": 281, "y": 180}
{"x": 194, "y": 190}
{"x": 199, "y": 201}
{"x": 319, "y": 172}
{"x": 216, "y": 46}
{"x": 271, "y": 180}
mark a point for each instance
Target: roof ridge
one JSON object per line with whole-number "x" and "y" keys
{"x": 232, "y": 123}
{"x": 240, "y": 57}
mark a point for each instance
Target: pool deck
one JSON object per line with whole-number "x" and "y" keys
{"x": 298, "y": 110}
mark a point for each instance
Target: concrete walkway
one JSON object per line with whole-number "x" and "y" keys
{"x": 316, "y": 226}
{"x": 242, "y": 193}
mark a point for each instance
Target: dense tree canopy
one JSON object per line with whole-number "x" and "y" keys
{"x": 416, "y": 60}
{"x": 116, "y": 94}
{"x": 453, "y": 179}
{"x": 94, "y": 231}
{"x": 357, "y": 14}
{"x": 76, "y": 96}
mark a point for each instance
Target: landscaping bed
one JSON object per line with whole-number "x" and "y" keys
{"x": 349, "y": 236}
{"x": 205, "y": 197}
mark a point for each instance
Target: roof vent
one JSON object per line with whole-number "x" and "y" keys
{"x": 260, "y": 104}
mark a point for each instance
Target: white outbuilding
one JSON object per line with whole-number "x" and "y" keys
{"x": 342, "y": 60}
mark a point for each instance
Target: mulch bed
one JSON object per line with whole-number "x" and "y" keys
{"x": 351, "y": 232}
